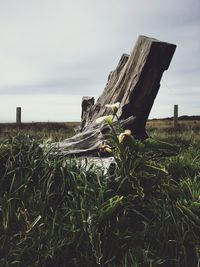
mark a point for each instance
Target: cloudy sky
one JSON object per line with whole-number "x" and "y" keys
{"x": 52, "y": 52}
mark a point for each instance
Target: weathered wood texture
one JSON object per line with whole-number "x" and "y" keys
{"x": 87, "y": 103}
{"x": 134, "y": 83}
{"x": 88, "y": 141}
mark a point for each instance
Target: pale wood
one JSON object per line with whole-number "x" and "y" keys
{"x": 88, "y": 141}
{"x": 134, "y": 83}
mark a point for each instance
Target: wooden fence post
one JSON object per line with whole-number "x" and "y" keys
{"x": 18, "y": 116}
{"x": 175, "y": 116}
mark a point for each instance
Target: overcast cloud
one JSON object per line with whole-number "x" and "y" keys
{"x": 54, "y": 52}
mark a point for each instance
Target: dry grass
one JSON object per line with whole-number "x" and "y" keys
{"x": 53, "y": 130}
{"x": 168, "y": 124}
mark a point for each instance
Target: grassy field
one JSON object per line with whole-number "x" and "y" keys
{"x": 145, "y": 211}
{"x": 55, "y": 130}
{"x": 186, "y": 134}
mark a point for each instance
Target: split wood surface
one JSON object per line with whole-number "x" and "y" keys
{"x": 134, "y": 83}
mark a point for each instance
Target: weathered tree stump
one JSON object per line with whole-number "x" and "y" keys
{"x": 87, "y": 103}
{"x": 134, "y": 83}
{"x": 88, "y": 141}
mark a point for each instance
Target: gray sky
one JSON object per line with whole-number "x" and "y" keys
{"x": 54, "y": 52}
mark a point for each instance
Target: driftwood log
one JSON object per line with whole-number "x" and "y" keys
{"x": 134, "y": 83}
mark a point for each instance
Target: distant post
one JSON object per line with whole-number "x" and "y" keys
{"x": 175, "y": 116}
{"x": 18, "y": 116}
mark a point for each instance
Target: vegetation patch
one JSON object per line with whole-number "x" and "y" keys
{"x": 57, "y": 211}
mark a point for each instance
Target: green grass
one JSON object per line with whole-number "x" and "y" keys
{"x": 57, "y": 211}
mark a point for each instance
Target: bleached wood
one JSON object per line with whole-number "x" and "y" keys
{"x": 134, "y": 83}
